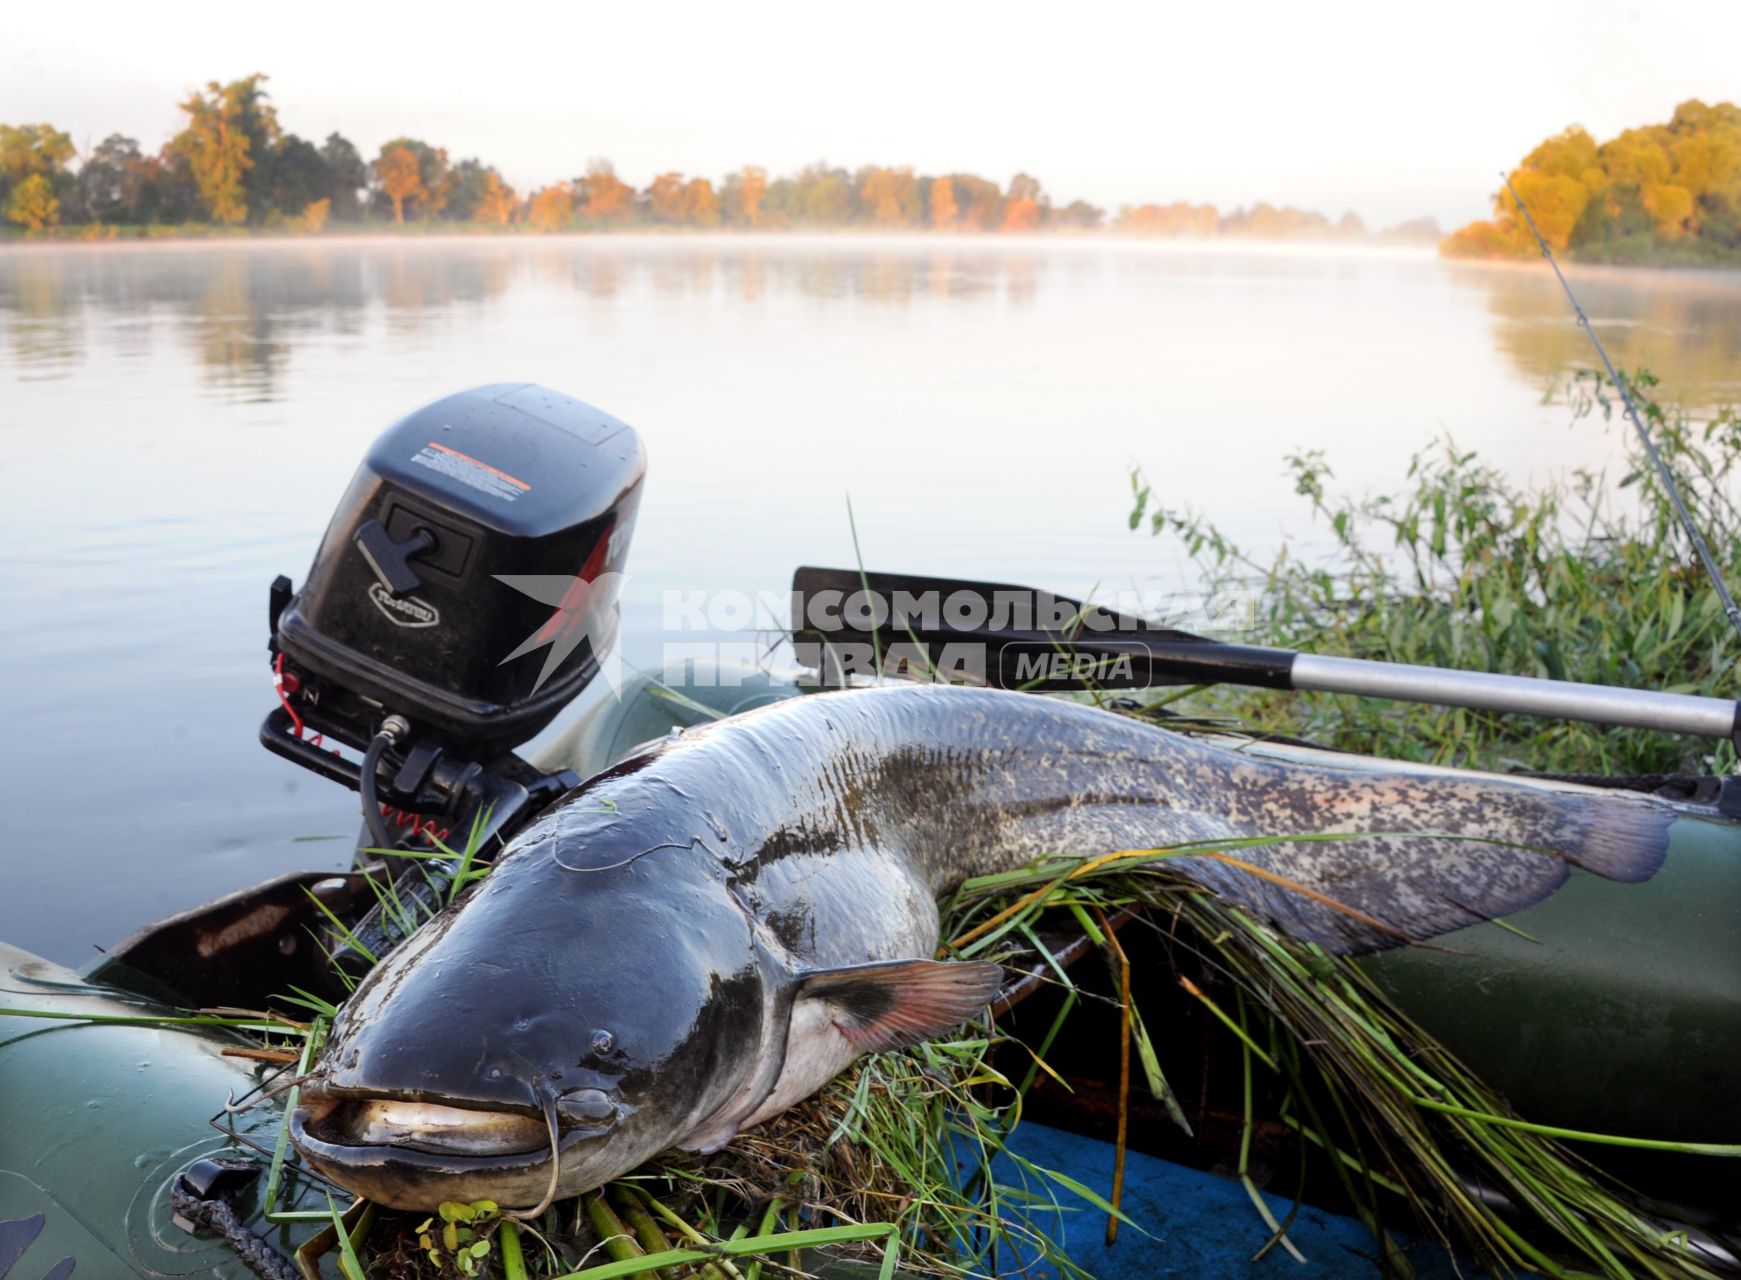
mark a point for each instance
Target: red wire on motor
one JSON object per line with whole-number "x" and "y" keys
{"x": 398, "y": 817}
{"x": 278, "y": 684}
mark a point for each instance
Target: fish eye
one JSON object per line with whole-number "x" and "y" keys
{"x": 603, "y": 1042}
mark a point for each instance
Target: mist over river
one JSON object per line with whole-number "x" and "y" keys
{"x": 180, "y": 419}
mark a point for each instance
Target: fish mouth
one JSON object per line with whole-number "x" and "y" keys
{"x": 410, "y": 1154}
{"x": 427, "y": 1127}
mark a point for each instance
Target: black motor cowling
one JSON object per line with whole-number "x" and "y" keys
{"x": 465, "y": 580}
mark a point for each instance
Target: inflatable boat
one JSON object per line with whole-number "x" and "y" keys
{"x": 461, "y": 603}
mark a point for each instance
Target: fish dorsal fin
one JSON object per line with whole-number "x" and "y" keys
{"x": 890, "y": 1004}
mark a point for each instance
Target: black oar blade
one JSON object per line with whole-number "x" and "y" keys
{"x": 1012, "y": 637}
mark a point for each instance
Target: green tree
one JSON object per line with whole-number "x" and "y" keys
{"x": 978, "y": 202}
{"x": 1080, "y": 215}
{"x": 821, "y": 196}
{"x": 294, "y": 175}
{"x": 466, "y": 189}
{"x": 114, "y": 182}
{"x": 348, "y": 175}
{"x": 230, "y": 129}
{"x": 177, "y": 194}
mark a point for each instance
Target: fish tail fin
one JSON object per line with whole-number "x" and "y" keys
{"x": 1368, "y": 861}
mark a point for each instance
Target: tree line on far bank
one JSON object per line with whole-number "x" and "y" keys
{"x": 1666, "y": 193}
{"x": 233, "y": 166}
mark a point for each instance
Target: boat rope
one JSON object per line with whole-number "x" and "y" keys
{"x": 218, "y": 1215}
{"x": 1662, "y": 471}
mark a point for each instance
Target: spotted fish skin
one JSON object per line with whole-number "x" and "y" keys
{"x": 965, "y": 782}
{"x": 707, "y": 933}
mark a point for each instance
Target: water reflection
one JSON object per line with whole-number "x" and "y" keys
{"x": 242, "y": 311}
{"x": 1683, "y": 326}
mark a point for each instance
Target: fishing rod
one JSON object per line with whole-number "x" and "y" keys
{"x": 1662, "y": 471}
{"x": 850, "y": 621}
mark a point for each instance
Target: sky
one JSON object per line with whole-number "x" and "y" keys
{"x": 1394, "y": 110}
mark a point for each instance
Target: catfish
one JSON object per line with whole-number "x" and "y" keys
{"x": 704, "y": 935}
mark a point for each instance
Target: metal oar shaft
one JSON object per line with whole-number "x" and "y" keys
{"x": 1179, "y": 660}
{"x": 1520, "y": 695}
{"x": 1124, "y": 653}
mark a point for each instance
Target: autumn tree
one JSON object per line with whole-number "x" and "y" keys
{"x": 942, "y": 202}
{"x": 604, "y": 197}
{"x": 33, "y": 150}
{"x": 752, "y": 188}
{"x": 400, "y": 179}
{"x": 428, "y": 194}
{"x": 230, "y": 127}
{"x": 497, "y": 202}
{"x": 700, "y": 203}
{"x": 890, "y": 197}
{"x": 1177, "y": 219}
{"x": 1266, "y": 221}
{"x": 1024, "y": 205}
{"x": 32, "y": 203}
{"x": 552, "y": 208}
{"x": 666, "y": 199}
{"x": 1662, "y": 190}
{"x": 314, "y": 215}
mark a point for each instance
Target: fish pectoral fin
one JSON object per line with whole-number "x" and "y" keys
{"x": 708, "y": 1139}
{"x": 895, "y": 1003}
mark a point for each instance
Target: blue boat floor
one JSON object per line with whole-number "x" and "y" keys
{"x": 1191, "y": 1223}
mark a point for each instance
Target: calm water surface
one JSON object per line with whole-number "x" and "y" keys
{"x": 180, "y": 420}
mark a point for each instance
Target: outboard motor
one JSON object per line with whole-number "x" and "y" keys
{"x": 464, "y": 594}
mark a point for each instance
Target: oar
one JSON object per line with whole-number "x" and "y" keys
{"x": 1018, "y": 637}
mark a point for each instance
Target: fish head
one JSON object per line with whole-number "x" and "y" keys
{"x": 556, "y": 1030}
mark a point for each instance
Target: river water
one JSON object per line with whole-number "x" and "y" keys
{"x": 179, "y": 421}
